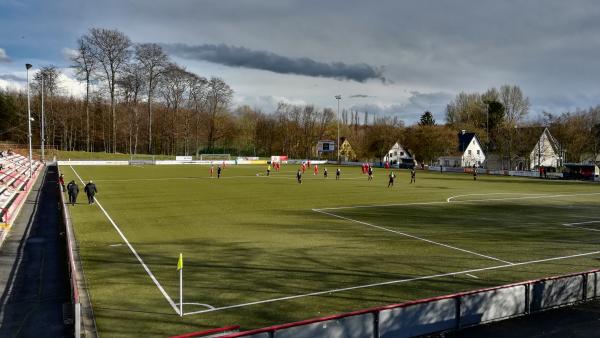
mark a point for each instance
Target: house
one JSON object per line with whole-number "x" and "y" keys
{"x": 469, "y": 152}
{"x": 530, "y": 148}
{"x": 400, "y": 156}
{"x": 546, "y": 152}
{"x": 347, "y": 152}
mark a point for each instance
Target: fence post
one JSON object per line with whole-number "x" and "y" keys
{"x": 457, "y": 305}
{"x": 376, "y": 324}
{"x": 527, "y": 298}
{"x": 77, "y": 320}
{"x": 584, "y": 287}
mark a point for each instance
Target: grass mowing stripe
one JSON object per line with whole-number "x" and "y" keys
{"x": 167, "y": 297}
{"x": 464, "y": 272}
{"x": 412, "y": 236}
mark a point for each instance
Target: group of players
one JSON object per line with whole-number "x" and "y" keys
{"x": 366, "y": 169}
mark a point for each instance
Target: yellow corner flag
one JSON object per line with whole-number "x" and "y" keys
{"x": 180, "y": 262}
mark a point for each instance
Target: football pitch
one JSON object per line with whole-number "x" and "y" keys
{"x": 266, "y": 250}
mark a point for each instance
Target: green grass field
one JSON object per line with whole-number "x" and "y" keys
{"x": 266, "y": 250}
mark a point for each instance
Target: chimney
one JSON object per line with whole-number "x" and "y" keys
{"x": 462, "y": 132}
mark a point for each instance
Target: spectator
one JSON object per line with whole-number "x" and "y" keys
{"x": 73, "y": 191}
{"x": 61, "y": 181}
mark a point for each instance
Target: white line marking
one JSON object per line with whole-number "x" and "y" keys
{"x": 394, "y": 282}
{"x": 578, "y": 223}
{"x": 113, "y": 245}
{"x": 200, "y": 304}
{"x": 494, "y": 193}
{"x": 472, "y": 276}
{"x": 465, "y": 201}
{"x": 167, "y": 297}
{"x": 413, "y": 236}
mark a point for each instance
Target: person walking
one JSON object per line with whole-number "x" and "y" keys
{"x": 90, "y": 190}
{"x": 338, "y": 172}
{"x": 73, "y": 191}
{"x": 391, "y": 181}
{"x": 413, "y": 178}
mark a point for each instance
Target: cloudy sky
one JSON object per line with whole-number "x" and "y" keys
{"x": 388, "y": 57}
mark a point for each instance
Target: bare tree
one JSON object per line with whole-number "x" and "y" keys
{"x": 49, "y": 75}
{"x": 173, "y": 86}
{"x": 516, "y": 105}
{"x": 219, "y": 95}
{"x": 154, "y": 60}
{"x": 84, "y": 64}
{"x": 111, "y": 49}
{"x": 131, "y": 83}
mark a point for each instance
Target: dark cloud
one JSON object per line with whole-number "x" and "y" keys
{"x": 10, "y": 77}
{"x": 359, "y": 96}
{"x": 246, "y": 58}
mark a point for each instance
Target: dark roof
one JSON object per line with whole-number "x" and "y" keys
{"x": 464, "y": 139}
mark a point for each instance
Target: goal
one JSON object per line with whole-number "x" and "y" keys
{"x": 215, "y": 157}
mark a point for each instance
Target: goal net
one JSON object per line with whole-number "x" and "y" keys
{"x": 215, "y": 157}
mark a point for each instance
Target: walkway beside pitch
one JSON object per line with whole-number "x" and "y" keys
{"x": 33, "y": 286}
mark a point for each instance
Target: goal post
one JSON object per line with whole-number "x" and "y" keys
{"x": 215, "y": 157}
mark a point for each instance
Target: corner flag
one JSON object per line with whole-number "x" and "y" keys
{"x": 180, "y": 262}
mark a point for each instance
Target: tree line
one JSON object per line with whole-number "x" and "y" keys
{"x": 137, "y": 100}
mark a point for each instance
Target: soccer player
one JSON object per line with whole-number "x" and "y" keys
{"x": 316, "y": 170}
{"x": 413, "y": 178}
{"x": 474, "y": 173}
{"x": 299, "y": 176}
{"x": 303, "y": 167}
{"x": 338, "y": 172}
{"x": 219, "y": 169}
{"x": 212, "y": 170}
{"x": 268, "y": 169}
{"x": 391, "y": 181}
{"x": 325, "y": 173}
{"x": 370, "y": 171}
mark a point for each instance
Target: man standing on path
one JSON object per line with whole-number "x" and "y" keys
{"x": 90, "y": 190}
{"x": 73, "y": 191}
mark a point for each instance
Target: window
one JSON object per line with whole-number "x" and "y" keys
{"x": 469, "y": 151}
{"x": 477, "y": 151}
{"x": 395, "y": 153}
{"x": 401, "y": 153}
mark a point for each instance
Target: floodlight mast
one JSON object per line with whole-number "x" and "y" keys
{"x": 338, "y": 98}
{"x": 27, "y": 67}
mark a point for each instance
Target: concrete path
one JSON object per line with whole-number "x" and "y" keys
{"x": 33, "y": 283}
{"x": 579, "y": 321}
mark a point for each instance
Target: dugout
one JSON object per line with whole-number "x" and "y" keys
{"x": 576, "y": 171}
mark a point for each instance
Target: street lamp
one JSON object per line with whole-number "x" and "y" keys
{"x": 338, "y": 98}
{"x": 43, "y": 122}
{"x": 28, "y": 66}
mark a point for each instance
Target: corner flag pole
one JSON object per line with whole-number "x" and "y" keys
{"x": 180, "y": 268}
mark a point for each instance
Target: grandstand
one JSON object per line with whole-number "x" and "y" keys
{"x": 15, "y": 183}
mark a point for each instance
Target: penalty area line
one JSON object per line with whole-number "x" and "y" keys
{"x": 399, "y": 281}
{"x": 167, "y": 297}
